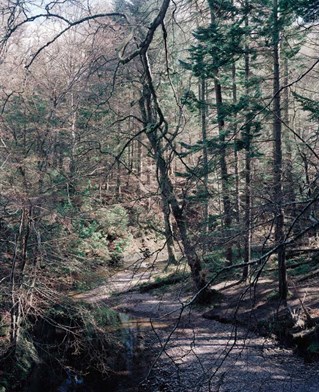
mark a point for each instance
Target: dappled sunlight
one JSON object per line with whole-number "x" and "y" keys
{"x": 159, "y": 195}
{"x": 199, "y": 354}
{"x": 245, "y": 364}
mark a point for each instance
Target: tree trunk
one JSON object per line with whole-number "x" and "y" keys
{"x": 248, "y": 200}
{"x": 165, "y": 183}
{"x": 168, "y": 233}
{"x": 139, "y": 165}
{"x": 290, "y": 185}
{"x": 277, "y": 165}
{"x": 203, "y": 113}
{"x": 118, "y": 190}
{"x": 18, "y": 296}
{"x": 223, "y": 169}
{"x": 167, "y": 192}
{"x": 236, "y": 159}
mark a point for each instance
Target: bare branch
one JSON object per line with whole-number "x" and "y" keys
{"x": 144, "y": 45}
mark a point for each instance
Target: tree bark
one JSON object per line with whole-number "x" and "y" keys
{"x": 150, "y": 109}
{"x": 223, "y": 168}
{"x": 236, "y": 157}
{"x": 277, "y": 157}
{"x": 203, "y": 113}
{"x": 167, "y": 192}
{"x": 248, "y": 199}
{"x": 168, "y": 233}
{"x": 290, "y": 186}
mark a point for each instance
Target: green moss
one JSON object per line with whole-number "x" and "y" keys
{"x": 301, "y": 270}
{"x": 161, "y": 282}
{"x": 19, "y": 363}
{"x": 313, "y": 348}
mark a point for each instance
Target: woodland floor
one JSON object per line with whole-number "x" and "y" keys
{"x": 204, "y": 349}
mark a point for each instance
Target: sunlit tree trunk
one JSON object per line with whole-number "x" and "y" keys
{"x": 154, "y": 134}
{"x": 169, "y": 236}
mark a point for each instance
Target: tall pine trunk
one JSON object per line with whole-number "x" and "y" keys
{"x": 277, "y": 157}
{"x": 223, "y": 169}
{"x": 203, "y": 113}
{"x": 247, "y": 138}
{"x": 236, "y": 159}
{"x": 290, "y": 186}
{"x": 227, "y": 221}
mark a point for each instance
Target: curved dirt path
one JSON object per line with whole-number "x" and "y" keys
{"x": 196, "y": 354}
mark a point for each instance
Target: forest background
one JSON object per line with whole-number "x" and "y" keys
{"x": 194, "y": 123}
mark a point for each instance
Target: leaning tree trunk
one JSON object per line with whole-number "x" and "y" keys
{"x": 169, "y": 236}
{"x": 150, "y": 109}
{"x": 168, "y": 194}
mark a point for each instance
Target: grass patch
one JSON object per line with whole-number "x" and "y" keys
{"x": 301, "y": 270}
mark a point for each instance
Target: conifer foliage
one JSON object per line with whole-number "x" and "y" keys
{"x": 195, "y": 121}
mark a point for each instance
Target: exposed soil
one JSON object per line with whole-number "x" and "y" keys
{"x": 177, "y": 349}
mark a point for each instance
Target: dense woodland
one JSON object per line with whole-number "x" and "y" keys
{"x": 191, "y": 122}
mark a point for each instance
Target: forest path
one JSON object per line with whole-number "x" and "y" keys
{"x": 197, "y": 354}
